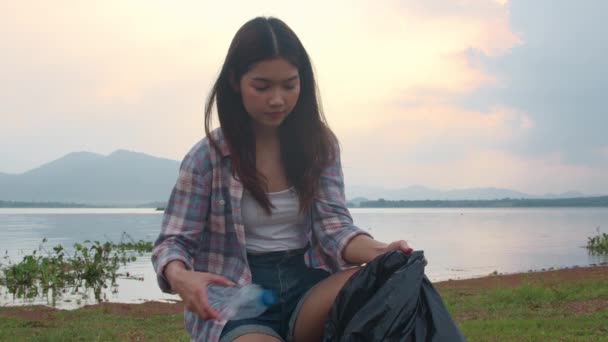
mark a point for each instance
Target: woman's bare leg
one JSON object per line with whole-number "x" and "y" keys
{"x": 310, "y": 321}
{"x": 255, "y": 337}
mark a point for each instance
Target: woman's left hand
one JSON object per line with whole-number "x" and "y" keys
{"x": 363, "y": 249}
{"x": 400, "y": 245}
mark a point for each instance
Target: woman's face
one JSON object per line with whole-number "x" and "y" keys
{"x": 270, "y": 91}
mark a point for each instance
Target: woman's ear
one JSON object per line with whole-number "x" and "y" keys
{"x": 234, "y": 84}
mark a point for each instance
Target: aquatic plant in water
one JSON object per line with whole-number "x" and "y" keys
{"x": 598, "y": 245}
{"x": 90, "y": 266}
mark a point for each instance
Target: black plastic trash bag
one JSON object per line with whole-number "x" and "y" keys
{"x": 390, "y": 299}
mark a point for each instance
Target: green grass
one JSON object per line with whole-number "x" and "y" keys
{"x": 94, "y": 325}
{"x": 572, "y": 311}
{"x": 589, "y": 327}
{"x": 533, "y": 311}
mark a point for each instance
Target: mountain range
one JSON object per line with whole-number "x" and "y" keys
{"x": 359, "y": 194}
{"x": 123, "y": 177}
{"x": 130, "y": 178}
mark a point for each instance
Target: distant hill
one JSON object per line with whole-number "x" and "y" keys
{"x": 131, "y": 178}
{"x": 601, "y": 201}
{"x": 422, "y": 193}
{"x": 123, "y": 177}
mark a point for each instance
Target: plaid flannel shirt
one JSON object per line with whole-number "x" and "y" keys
{"x": 203, "y": 226}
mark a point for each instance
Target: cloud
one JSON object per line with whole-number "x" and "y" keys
{"x": 519, "y": 111}
{"x": 99, "y": 76}
{"x": 434, "y": 143}
{"x": 557, "y": 75}
{"x": 134, "y": 74}
{"x": 442, "y": 93}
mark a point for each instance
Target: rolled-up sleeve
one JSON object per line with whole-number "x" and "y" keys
{"x": 332, "y": 222}
{"x": 184, "y": 218}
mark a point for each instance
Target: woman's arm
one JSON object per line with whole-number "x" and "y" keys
{"x": 184, "y": 220}
{"x": 184, "y": 217}
{"x": 363, "y": 249}
{"x": 344, "y": 244}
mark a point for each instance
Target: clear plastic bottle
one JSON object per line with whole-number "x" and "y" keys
{"x": 233, "y": 302}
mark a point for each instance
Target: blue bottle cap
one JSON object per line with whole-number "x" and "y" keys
{"x": 268, "y": 297}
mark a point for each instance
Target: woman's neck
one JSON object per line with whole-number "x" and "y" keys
{"x": 266, "y": 135}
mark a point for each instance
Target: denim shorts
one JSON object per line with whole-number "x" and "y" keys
{"x": 286, "y": 273}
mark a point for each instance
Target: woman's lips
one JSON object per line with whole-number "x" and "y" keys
{"x": 275, "y": 115}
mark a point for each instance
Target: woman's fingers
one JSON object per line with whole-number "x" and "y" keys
{"x": 194, "y": 293}
{"x": 400, "y": 245}
{"x": 196, "y": 306}
{"x": 210, "y": 312}
{"x": 204, "y": 310}
{"x": 211, "y": 278}
{"x": 405, "y": 247}
{"x": 217, "y": 279}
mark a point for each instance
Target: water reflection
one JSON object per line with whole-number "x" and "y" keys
{"x": 458, "y": 243}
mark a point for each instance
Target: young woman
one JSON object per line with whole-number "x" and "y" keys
{"x": 261, "y": 199}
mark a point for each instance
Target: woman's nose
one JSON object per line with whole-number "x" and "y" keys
{"x": 276, "y": 99}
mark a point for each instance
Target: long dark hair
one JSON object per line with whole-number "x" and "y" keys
{"x": 307, "y": 143}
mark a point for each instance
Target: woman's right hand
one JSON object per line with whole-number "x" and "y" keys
{"x": 192, "y": 288}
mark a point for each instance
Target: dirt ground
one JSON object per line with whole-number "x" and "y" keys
{"x": 511, "y": 280}
{"x": 41, "y": 313}
{"x": 549, "y": 277}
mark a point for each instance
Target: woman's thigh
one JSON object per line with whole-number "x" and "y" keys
{"x": 311, "y": 318}
{"x": 256, "y": 338}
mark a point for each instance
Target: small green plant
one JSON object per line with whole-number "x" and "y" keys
{"x": 598, "y": 245}
{"x": 90, "y": 266}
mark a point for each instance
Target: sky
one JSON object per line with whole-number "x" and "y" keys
{"x": 446, "y": 94}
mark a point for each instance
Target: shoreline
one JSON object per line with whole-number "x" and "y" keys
{"x": 492, "y": 281}
{"x": 521, "y": 273}
{"x": 573, "y": 273}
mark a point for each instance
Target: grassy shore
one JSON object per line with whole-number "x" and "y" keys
{"x": 561, "y": 305}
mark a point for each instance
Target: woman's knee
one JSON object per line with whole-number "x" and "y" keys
{"x": 310, "y": 321}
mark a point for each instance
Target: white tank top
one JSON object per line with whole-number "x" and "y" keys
{"x": 283, "y": 230}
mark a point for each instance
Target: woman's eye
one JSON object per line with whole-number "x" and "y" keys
{"x": 291, "y": 85}
{"x": 260, "y": 88}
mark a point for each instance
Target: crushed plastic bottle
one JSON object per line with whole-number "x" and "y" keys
{"x": 233, "y": 302}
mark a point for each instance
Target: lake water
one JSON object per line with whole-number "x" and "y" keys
{"x": 458, "y": 243}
